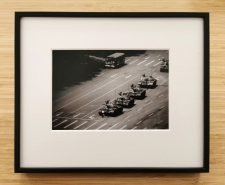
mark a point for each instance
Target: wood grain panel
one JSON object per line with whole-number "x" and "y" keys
{"x": 217, "y": 83}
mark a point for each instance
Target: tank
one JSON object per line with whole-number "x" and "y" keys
{"x": 147, "y": 82}
{"x": 137, "y": 93}
{"x": 111, "y": 110}
{"x": 125, "y": 101}
{"x": 164, "y": 66}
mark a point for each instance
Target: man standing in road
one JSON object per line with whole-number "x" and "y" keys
{"x": 103, "y": 113}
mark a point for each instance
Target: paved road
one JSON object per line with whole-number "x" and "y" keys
{"x": 76, "y": 108}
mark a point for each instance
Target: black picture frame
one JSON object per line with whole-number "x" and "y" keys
{"x": 206, "y": 129}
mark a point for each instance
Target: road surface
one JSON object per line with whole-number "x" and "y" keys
{"x": 76, "y": 108}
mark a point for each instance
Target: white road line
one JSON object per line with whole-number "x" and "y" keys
{"x": 157, "y": 78}
{"x": 160, "y": 121}
{"x": 91, "y": 117}
{"x": 54, "y": 120}
{"x": 139, "y": 122}
{"x": 104, "y": 94}
{"x": 161, "y": 95}
{"x": 81, "y": 119}
{"x": 127, "y": 117}
{"x": 77, "y": 115}
{"x": 141, "y": 62}
{"x": 123, "y": 127}
{"x": 161, "y": 107}
{"x": 147, "y": 57}
{"x": 113, "y": 75}
{"x": 89, "y": 93}
{"x": 76, "y": 89}
{"x": 91, "y": 112}
{"x": 139, "y": 109}
{"x": 133, "y": 62}
{"x": 59, "y": 113}
{"x": 100, "y": 74}
{"x": 158, "y": 56}
{"x": 149, "y": 102}
{"x": 134, "y": 128}
{"x": 157, "y": 64}
{"x": 91, "y": 125}
{"x": 145, "y": 128}
{"x": 127, "y": 60}
{"x": 150, "y": 114}
{"x": 60, "y": 123}
{"x": 80, "y": 125}
{"x": 128, "y": 76}
{"x": 101, "y": 126}
{"x": 70, "y": 124}
{"x": 149, "y": 63}
{"x": 113, "y": 126}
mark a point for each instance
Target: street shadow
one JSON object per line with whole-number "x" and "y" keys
{"x": 130, "y": 106}
{"x": 153, "y": 87}
{"x": 72, "y": 67}
{"x": 140, "y": 98}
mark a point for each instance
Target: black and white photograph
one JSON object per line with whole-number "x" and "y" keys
{"x": 102, "y": 82}
{"x": 110, "y": 89}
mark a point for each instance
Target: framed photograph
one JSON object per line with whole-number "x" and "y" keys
{"x": 111, "y": 92}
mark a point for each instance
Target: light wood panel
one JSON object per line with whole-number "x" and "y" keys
{"x": 217, "y": 97}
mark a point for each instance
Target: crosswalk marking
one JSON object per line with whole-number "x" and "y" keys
{"x": 70, "y": 124}
{"x": 80, "y": 125}
{"x": 60, "y": 123}
{"x": 113, "y": 126}
{"x": 91, "y": 125}
{"x": 101, "y": 126}
{"x": 92, "y": 116}
{"x": 123, "y": 127}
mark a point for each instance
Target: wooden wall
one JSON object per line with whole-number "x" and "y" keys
{"x": 217, "y": 83}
